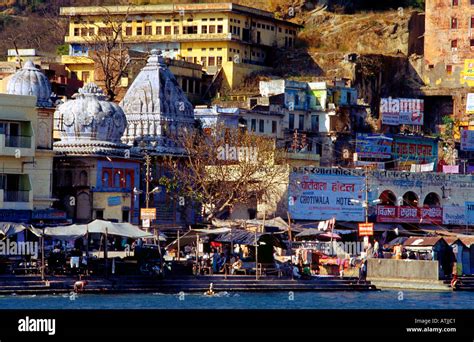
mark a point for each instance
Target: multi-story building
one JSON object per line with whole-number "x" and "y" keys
{"x": 222, "y": 37}
{"x": 26, "y": 155}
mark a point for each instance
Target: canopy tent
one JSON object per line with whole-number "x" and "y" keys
{"x": 270, "y": 225}
{"x": 246, "y": 237}
{"x": 11, "y": 228}
{"x": 191, "y": 235}
{"x": 75, "y": 231}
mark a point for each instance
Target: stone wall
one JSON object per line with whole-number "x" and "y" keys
{"x": 423, "y": 270}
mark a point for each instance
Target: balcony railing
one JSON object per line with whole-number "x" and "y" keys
{"x": 17, "y": 141}
{"x": 16, "y": 196}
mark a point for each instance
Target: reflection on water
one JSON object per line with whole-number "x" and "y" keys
{"x": 248, "y": 300}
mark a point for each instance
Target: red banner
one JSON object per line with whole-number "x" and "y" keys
{"x": 405, "y": 214}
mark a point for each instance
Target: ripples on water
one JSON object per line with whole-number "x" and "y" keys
{"x": 247, "y": 300}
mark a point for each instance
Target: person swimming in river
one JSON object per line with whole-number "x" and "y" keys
{"x": 210, "y": 292}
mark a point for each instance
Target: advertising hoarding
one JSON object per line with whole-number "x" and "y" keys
{"x": 325, "y": 196}
{"x": 401, "y": 111}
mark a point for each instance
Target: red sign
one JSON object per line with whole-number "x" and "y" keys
{"x": 366, "y": 229}
{"x": 405, "y": 214}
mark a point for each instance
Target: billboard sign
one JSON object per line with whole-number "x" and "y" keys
{"x": 469, "y": 210}
{"x": 148, "y": 213}
{"x": 470, "y": 103}
{"x": 401, "y": 111}
{"x": 455, "y": 215}
{"x": 407, "y": 214}
{"x": 373, "y": 146}
{"x": 467, "y": 140}
{"x": 416, "y": 149}
{"x": 325, "y": 196}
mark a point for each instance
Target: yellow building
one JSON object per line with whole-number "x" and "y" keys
{"x": 222, "y": 37}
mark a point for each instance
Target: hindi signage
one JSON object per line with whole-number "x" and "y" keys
{"x": 467, "y": 140}
{"x": 325, "y": 196}
{"x": 148, "y": 213}
{"x": 407, "y": 214}
{"x": 366, "y": 229}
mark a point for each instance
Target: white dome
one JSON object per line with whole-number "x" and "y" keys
{"x": 29, "y": 80}
{"x": 89, "y": 120}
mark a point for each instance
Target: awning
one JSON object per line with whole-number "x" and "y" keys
{"x": 11, "y": 228}
{"x": 274, "y": 224}
{"x": 75, "y": 231}
{"x": 191, "y": 235}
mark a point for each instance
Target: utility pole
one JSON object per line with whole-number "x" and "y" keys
{"x": 366, "y": 194}
{"x": 147, "y": 180}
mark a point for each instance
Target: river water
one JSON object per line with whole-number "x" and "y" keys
{"x": 247, "y": 300}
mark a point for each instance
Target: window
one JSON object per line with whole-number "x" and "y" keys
{"x": 99, "y": 214}
{"x": 274, "y": 126}
{"x": 454, "y": 44}
{"x": 76, "y": 31}
{"x": 449, "y": 69}
{"x": 212, "y": 29}
{"x": 301, "y": 122}
{"x": 261, "y": 126}
{"x": 128, "y": 31}
{"x": 158, "y": 30}
{"x": 315, "y": 123}
{"x": 203, "y": 61}
{"x": 184, "y": 85}
{"x": 125, "y": 215}
{"x": 203, "y": 29}
{"x": 167, "y": 30}
{"x": 253, "y": 125}
{"x": 175, "y": 29}
{"x": 139, "y": 31}
{"x": 148, "y": 30}
{"x": 220, "y": 28}
{"x": 212, "y": 60}
{"x": 91, "y": 31}
{"x": 84, "y": 31}
{"x": 190, "y": 29}
{"x": 454, "y": 23}
{"x": 292, "y": 121}
{"x": 219, "y": 60}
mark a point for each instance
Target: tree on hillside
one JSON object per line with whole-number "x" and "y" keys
{"x": 223, "y": 168}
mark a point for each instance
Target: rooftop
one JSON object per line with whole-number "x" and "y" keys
{"x": 171, "y": 8}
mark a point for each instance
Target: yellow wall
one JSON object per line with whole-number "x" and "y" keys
{"x": 111, "y": 212}
{"x": 79, "y": 65}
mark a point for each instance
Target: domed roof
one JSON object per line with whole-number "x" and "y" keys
{"x": 90, "y": 120}
{"x": 156, "y": 107}
{"x": 29, "y": 80}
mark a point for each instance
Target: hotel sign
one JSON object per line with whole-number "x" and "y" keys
{"x": 325, "y": 196}
{"x": 407, "y": 214}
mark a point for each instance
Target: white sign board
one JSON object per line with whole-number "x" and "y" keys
{"x": 400, "y": 111}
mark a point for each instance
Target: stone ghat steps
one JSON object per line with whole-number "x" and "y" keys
{"x": 185, "y": 284}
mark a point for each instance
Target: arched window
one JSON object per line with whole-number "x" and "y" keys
{"x": 117, "y": 179}
{"x": 432, "y": 200}
{"x": 68, "y": 178}
{"x": 410, "y": 199}
{"x": 105, "y": 178}
{"x": 128, "y": 181}
{"x": 83, "y": 181}
{"x": 387, "y": 197}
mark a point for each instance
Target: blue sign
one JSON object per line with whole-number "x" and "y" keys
{"x": 326, "y": 196}
{"x": 374, "y": 146}
{"x": 469, "y": 213}
{"x": 48, "y": 214}
{"x": 114, "y": 201}
{"x": 10, "y": 215}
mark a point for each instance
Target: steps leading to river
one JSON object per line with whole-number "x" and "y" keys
{"x": 64, "y": 284}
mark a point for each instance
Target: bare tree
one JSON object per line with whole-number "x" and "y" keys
{"x": 224, "y": 168}
{"x": 107, "y": 48}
